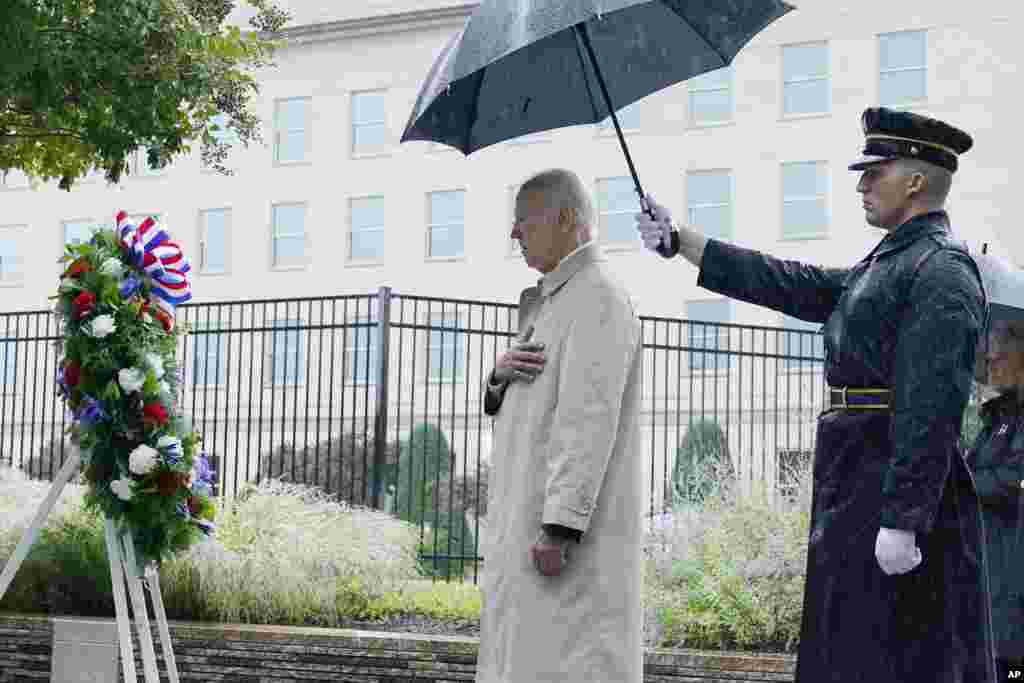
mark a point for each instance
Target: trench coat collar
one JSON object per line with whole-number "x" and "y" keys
{"x": 570, "y": 265}
{"x": 931, "y": 223}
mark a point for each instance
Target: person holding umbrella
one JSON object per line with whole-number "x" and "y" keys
{"x": 896, "y": 585}
{"x": 996, "y": 459}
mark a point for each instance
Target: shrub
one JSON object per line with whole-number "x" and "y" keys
{"x": 702, "y": 465}
{"x": 343, "y": 466}
{"x": 729, "y": 573}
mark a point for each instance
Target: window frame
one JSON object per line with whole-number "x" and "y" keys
{"x": 691, "y": 119}
{"x": 204, "y": 240}
{"x": 353, "y": 354}
{"x": 605, "y": 127}
{"x": 5, "y": 187}
{"x": 910, "y": 104}
{"x": 711, "y": 205}
{"x": 387, "y": 147}
{"x": 15, "y": 233}
{"x": 274, "y": 236}
{"x": 827, "y": 78}
{"x": 432, "y": 226}
{"x": 805, "y": 237}
{"x": 307, "y": 147}
{"x": 64, "y": 231}
{"x": 350, "y": 233}
{"x": 794, "y": 328}
{"x": 301, "y": 330}
{"x": 221, "y": 354}
{"x": 440, "y": 375}
{"x": 614, "y": 245}
{"x": 721, "y": 329}
{"x": 8, "y": 371}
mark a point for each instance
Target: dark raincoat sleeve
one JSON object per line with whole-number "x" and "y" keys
{"x": 932, "y": 372}
{"x": 797, "y": 289}
{"x": 998, "y": 477}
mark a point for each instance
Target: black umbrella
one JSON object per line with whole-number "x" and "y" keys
{"x": 525, "y": 66}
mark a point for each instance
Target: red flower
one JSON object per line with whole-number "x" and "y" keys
{"x": 165, "y": 320}
{"x": 83, "y": 304}
{"x": 154, "y": 414}
{"x": 72, "y": 373}
{"x": 77, "y": 268}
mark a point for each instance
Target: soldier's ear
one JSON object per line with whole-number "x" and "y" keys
{"x": 917, "y": 183}
{"x": 567, "y": 219}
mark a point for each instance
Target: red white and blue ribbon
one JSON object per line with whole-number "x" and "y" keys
{"x": 152, "y": 250}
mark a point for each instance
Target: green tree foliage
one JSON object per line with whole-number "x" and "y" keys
{"x": 702, "y": 464}
{"x": 85, "y": 83}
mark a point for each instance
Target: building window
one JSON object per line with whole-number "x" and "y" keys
{"x": 446, "y": 223}
{"x": 805, "y": 79}
{"x": 11, "y": 266}
{"x": 903, "y": 59}
{"x": 14, "y": 179}
{"x": 804, "y": 200}
{"x": 709, "y": 202}
{"x": 369, "y": 122}
{"x": 629, "y": 119}
{"x": 209, "y": 364}
{"x": 366, "y": 234}
{"x": 286, "y": 352}
{"x": 8, "y": 364}
{"x": 222, "y": 135}
{"x": 801, "y": 342}
{"x": 139, "y": 164}
{"x": 361, "y": 352}
{"x": 213, "y": 243}
{"x": 289, "y": 235}
{"x": 708, "y": 341}
{"x": 617, "y": 206}
{"x": 446, "y": 349}
{"x": 291, "y": 130}
{"x": 76, "y": 232}
{"x": 711, "y": 97}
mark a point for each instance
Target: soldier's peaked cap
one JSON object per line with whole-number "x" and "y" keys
{"x": 891, "y": 134}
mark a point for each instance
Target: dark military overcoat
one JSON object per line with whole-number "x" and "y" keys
{"x": 906, "y": 318}
{"x": 997, "y": 461}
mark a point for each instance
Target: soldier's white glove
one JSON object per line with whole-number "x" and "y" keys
{"x": 896, "y": 551}
{"x": 657, "y": 230}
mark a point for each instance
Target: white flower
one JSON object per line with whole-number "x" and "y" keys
{"x": 112, "y": 266}
{"x": 165, "y": 389}
{"x": 131, "y": 379}
{"x": 122, "y": 488}
{"x": 156, "y": 364}
{"x": 102, "y": 325}
{"x": 143, "y": 459}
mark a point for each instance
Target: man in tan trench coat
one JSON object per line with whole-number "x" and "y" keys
{"x": 562, "y": 556}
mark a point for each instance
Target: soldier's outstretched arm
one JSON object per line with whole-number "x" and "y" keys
{"x": 797, "y": 289}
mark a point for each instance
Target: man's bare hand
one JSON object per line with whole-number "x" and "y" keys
{"x": 550, "y": 555}
{"x": 523, "y": 361}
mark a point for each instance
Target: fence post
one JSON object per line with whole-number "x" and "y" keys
{"x": 380, "y": 420}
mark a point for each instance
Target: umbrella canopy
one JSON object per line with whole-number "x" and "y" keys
{"x": 1004, "y": 286}
{"x": 525, "y": 66}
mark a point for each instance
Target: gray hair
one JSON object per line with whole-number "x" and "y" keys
{"x": 563, "y": 189}
{"x": 937, "y": 180}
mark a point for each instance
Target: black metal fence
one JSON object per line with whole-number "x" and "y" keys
{"x": 377, "y": 399}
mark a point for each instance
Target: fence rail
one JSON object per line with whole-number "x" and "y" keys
{"x": 376, "y": 398}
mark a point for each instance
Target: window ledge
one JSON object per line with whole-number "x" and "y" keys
{"x": 4, "y": 188}
{"x": 809, "y": 237}
{"x": 445, "y": 259}
{"x": 525, "y": 142}
{"x": 805, "y": 117}
{"x": 371, "y": 155}
{"x": 610, "y": 132}
{"x": 289, "y": 164}
{"x": 214, "y": 273}
{"x": 694, "y": 125}
{"x": 284, "y": 385}
{"x": 446, "y": 380}
{"x": 206, "y": 387}
{"x": 288, "y": 269}
{"x": 10, "y": 285}
{"x": 376, "y": 263}
{"x": 612, "y": 247}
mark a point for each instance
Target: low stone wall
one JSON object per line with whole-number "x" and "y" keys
{"x": 274, "y": 654}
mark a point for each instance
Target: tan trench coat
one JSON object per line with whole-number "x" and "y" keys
{"x": 567, "y": 451}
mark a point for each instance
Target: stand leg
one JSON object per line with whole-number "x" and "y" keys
{"x": 29, "y": 537}
{"x": 153, "y": 579}
{"x": 124, "y": 632}
{"x": 139, "y": 610}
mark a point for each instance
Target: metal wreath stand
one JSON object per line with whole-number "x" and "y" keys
{"x": 124, "y": 570}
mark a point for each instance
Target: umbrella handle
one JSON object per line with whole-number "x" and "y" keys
{"x": 672, "y": 247}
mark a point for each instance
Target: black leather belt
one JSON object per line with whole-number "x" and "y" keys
{"x": 848, "y": 398}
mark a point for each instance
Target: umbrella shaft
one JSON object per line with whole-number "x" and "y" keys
{"x": 581, "y": 31}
